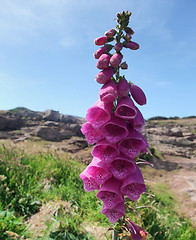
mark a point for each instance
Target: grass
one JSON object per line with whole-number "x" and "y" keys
{"x": 23, "y": 191}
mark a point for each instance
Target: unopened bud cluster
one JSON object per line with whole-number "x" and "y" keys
{"x": 114, "y": 125}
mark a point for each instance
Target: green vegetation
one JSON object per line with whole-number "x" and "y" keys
{"x": 28, "y": 182}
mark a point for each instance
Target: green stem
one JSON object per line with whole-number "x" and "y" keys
{"x": 115, "y": 235}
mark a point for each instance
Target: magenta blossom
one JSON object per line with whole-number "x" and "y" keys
{"x": 108, "y": 92}
{"x": 98, "y": 169}
{"x": 103, "y": 61}
{"x": 125, "y": 108}
{"x": 115, "y": 213}
{"x": 105, "y": 75}
{"x": 137, "y": 232}
{"x": 115, "y": 60}
{"x": 132, "y": 144}
{"x": 92, "y": 134}
{"x": 133, "y": 186}
{"x": 101, "y": 40}
{"x": 89, "y": 181}
{"x": 137, "y": 94}
{"x": 115, "y": 130}
{"x": 110, "y": 193}
{"x": 123, "y": 88}
{"x": 105, "y": 151}
{"x": 122, "y": 166}
{"x": 99, "y": 113}
{"x": 138, "y": 122}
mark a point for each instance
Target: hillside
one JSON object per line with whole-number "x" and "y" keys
{"x": 173, "y": 140}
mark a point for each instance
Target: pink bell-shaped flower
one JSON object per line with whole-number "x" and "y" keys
{"x": 138, "y": 122}
{"x": 105, "y": 75}
{"x": 137, "y": 232}
{"x": 132, "y": 144}
{"x": 105, "y": 151}
{"x": 115, "y": 130}
{"x": 115, "y": 60}
{"x": 98, "y": 169}
{"x": 103, "y": 61}
{"x": 89, "y": 181}
{"x": 132, "y": 45}
{"x": 122, "y": 166}
{"x": 108, "y": 92}
{"x": 110, "y": 193}
{"x": 92, "y": 134}
{"x": 123, "y": 88}
{"x": 137, "y": 94}
{"x": 101, "y": 40}
{"x": 100, "y": 51}
{"x": 125, "y": 108}
{"x": 115, "y": 213}
{"x": 146, "y": 147}
{"x": 133, "y": 186}
{"x": 99, "y": 113}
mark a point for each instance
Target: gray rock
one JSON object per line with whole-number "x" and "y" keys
{"x": 10, "y": 122}
{"x": 47, "y": 133}
{"x": 51, "y": 115}
{"x": 51, "y": 124}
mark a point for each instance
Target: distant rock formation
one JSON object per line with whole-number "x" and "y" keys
{"x": 175, "y": 138}
{"x": 22, "y": 123}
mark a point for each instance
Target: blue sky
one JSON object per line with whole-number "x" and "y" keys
{"x": 47, "y": 46}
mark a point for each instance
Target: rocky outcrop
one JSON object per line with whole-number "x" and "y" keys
{"x": 175, "y": 138}
{"x": 21, "y": 123}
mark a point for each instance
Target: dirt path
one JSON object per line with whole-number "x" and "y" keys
{"x": 182, "y": 183}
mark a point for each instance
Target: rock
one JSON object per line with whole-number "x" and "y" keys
{"x": 47, "y": 133}
{"x": 51, "y": 124}
{"x": 10, "y": 122}
{"x": 51, "y": 115}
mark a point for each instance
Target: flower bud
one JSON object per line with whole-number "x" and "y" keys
{"x": 100, "y": 51}
{"x": 132, "y": 45}
{"x": 127, "y": 37}
{"x": 123, "y": 88}
{"x": 100, "y": 40}
{"x": 137, "y": 94}
{"x": 109, "y": 92}
{"x": 110, "y": 33}
{"x": 115, "y": 60}
{"x": 124, "y": 65}
{"x": 105, "y": 75}
{"x": 103, "y": 61}
{"x": 118, "y": 47}
{"x": 129, "y": 30}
